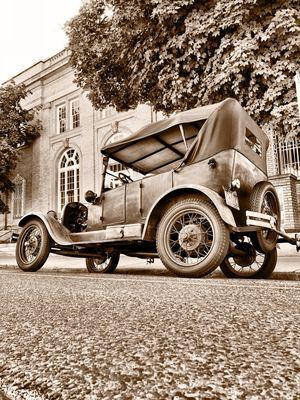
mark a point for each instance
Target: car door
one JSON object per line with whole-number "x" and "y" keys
{"x": 113, "y": 206}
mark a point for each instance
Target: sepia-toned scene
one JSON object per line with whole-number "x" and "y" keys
{"x": 149, "y": 200}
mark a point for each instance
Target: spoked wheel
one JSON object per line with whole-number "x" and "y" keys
{"x": 252, "y": 265}
{"x": 192, "y": 239}
{"x": 33, "y": 246}
{"x": 264, "y": 199}
{"x": 106, "y": 264}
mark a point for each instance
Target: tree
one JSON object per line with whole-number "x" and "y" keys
{"x": 176, "y": 54}
{"x": 17, "y": 128}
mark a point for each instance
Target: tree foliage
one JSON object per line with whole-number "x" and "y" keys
{"x": 17, "y": 128}
{"x": 176, "y": 54}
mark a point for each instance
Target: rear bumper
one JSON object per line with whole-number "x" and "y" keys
{"x": 269, "y": 222}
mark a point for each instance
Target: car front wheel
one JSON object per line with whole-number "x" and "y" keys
{"x": 33, "y": 246}
{"x": 192, "y": 239}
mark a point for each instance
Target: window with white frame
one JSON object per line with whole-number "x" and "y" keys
{"x": 18, "y": 196}
{"x": 61, "y": 118}
{"x": 68, "y": 116}
{"x": 68, "y": 178}
{"x": 74, "y": 114}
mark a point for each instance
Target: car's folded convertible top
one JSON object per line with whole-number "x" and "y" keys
{"x": 189, "y": 137}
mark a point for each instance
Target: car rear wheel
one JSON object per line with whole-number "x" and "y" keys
{"x": 33, "y": 246}
{"x": 264, "y": 200}
{"x": 106, "y": 264}
{"x": 252, "y": 265}
{"x": 192, "y": 239}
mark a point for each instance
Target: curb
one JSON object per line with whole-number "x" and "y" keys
{"x": 283, "y": 276}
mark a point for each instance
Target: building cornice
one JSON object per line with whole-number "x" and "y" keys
{"x": 42, "y": 69}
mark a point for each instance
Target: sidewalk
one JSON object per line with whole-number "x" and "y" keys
{"x": 288, "y": 266}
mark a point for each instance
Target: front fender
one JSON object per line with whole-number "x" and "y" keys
{"x": 217, "y": 200}
{"x": 56, "y": 230}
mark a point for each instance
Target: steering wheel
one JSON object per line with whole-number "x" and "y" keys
{"x": 124, "y": 178}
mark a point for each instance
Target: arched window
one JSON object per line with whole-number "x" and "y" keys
{"x": 68, "y": 178}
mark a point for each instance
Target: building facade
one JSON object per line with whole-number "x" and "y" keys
{"x": 65, "y": 162}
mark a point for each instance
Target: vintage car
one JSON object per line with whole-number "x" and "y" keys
{"x": 204, "y": 201}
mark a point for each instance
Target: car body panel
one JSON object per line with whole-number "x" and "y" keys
{"x": 249, "y": 175}
{"x": 62, "y": 236}
{"x": 113, "y": 204}
{"x": 153, "y": 187}
{"x": 134, "y": 202}
{"x": 202, "y": 173}
{"x": 224, "y": 211}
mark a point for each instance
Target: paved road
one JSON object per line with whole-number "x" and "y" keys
{"x": 69, "y": 336}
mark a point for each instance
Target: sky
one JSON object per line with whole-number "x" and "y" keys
{"x": 30, "y": 31}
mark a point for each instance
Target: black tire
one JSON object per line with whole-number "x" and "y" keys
{"x": 192, "y": 239}
{"x": 255, "y": 266}
{"x": 33, "y": 246}
{"x": 106, "y": 264}
{"x": 264, "y": 199}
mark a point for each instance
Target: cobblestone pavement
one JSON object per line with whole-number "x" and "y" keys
{"x": 128, "y": 337}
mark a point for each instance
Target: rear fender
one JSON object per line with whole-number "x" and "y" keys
{"x": 56, "y": 230}
{"x": 224, "y": 211}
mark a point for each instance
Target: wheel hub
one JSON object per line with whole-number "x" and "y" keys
{"x": 32, "y": 244}
{"x": 190, "y": 237}
{"x": 248, "y": 258}
{"x": 101, "y": 260}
